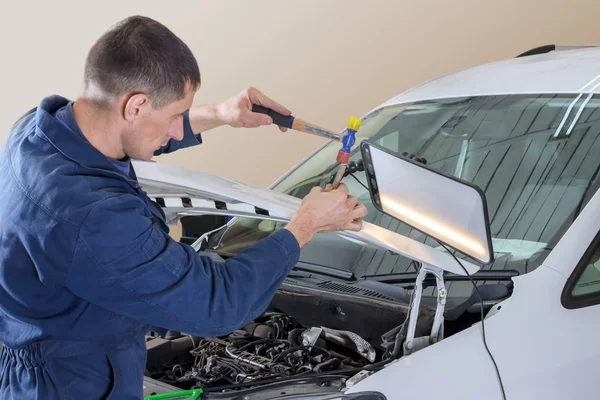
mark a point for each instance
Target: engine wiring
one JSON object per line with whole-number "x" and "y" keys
{"x": 271, "y": 348}
{"x": 339, "y": 373}
{"x": 482, "y": 318}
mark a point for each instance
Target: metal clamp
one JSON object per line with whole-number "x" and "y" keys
{"x": 412, "y": 344}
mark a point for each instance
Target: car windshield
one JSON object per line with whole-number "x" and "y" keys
{"x": 534, "y": 156}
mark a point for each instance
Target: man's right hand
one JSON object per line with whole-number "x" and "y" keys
{"x": 326, "y": 210}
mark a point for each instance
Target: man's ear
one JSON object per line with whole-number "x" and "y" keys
{"x": 135, "y": 105}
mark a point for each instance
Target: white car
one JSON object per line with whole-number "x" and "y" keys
{"x": 527, "y": 132}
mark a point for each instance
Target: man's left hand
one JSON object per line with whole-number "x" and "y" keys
{"x": 237, "y": 110}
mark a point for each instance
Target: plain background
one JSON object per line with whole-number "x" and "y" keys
{"x": 324, "y": 59}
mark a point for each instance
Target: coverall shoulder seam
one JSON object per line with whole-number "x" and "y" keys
{"x": 76, "y": 242}
{"x": 27, "y": 194}
{"x": 77, "y": 238}
{"x": 159, "y": 258}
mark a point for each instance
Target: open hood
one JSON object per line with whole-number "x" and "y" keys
{"x": 184, "y": 192}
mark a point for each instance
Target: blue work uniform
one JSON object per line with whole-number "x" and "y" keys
{"x": 87, "y": 267}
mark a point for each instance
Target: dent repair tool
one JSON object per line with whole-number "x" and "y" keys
{"x": 296, "y": 124}
{"x": 344, "y": 154}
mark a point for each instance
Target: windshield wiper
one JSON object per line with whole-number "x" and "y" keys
{"x": 410, "y": 277}
{"x": 320, "y": 269}
{"x": 301, "y": 268}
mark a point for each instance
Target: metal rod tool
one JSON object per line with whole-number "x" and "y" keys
{"x": 296, "y": 124}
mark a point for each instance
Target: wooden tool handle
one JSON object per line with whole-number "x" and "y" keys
{"x": 338, "y": 176}
{"x": 303, "y": 126}
{"x": 297, "y": 124}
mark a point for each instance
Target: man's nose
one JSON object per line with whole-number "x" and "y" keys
{"x": 175, "y": 131}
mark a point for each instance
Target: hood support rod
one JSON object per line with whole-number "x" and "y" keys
{"x": 412, "y": 344}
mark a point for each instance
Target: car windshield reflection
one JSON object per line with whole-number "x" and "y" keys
{"x": 534, "y": 156}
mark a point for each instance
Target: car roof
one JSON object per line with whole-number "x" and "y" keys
{"x": 565, "y": 71}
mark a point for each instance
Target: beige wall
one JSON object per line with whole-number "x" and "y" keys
{"x": 324, "y": 59}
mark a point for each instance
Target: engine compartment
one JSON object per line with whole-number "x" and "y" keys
{"x": 273, "y": 346}
{"x": 305, "y": 333}
{"x": 314, "y": 338}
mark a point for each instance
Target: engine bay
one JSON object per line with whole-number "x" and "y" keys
{"x": 274, "y": 346}
{"x": 305, "y": 333}
{"x": 308, "y": 340}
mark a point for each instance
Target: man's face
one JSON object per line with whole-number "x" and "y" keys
{"x": 148, "y": 129}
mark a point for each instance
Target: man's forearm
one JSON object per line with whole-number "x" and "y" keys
{"x": 204, "y": 118}
{"x": 235, "y": 111}
{"x": 301, "y": 227}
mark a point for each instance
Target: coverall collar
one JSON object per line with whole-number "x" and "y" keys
{"x": 74, "y": 146}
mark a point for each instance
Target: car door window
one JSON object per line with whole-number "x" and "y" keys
{"x": 583, "y": 287}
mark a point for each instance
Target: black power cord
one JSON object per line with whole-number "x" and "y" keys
{"x": 482, "y": 319}
{"x": 359, "y": 166}
{"x": 358, "y": 180}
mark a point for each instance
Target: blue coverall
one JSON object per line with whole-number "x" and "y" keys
{"x": 87, "y": 268}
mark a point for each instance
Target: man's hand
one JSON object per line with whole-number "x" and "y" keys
{"x": 326, "y": 210}
{"x": 237, "y": 111}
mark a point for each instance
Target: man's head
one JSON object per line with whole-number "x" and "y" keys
{"x": 145, "y": 77}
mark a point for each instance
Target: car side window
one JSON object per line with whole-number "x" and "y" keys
{"x": 583, "y": 287}
{"x": 589, "y": 281}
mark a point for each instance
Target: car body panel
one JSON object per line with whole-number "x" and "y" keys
{"x": 533, "y": 338}
{"x": 571, "y": 71}
{"x": 171, "y": 184}
{"x": 576, "y": 239}
{"x": 459, "y": 365}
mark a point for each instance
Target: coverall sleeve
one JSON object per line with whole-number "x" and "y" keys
{"x": 124, "y": 262}
{"x": 189, "y": 138}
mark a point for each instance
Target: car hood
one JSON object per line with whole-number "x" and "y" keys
{"x": 184, "y": 192}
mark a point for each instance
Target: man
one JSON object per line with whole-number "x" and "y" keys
{"x": 86, "y": 263}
